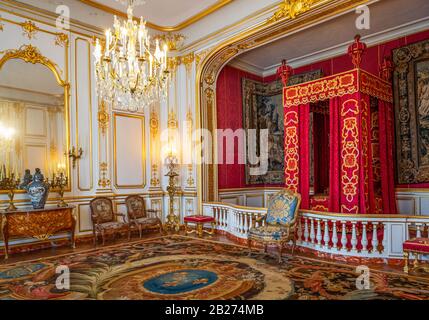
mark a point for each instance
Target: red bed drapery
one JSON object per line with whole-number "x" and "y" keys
{"x": 360, "y": 138}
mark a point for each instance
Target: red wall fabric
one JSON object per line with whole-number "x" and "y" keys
{"x": 230, "y": 116}
{"x": 229, "y": 99}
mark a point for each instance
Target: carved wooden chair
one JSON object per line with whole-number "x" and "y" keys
{"x": 104, "y": 219}
{"x": 140, "y": 217}
{"x": 279, "y": 225}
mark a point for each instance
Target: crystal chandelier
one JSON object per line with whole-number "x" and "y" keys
{"x": 131, "y": 71}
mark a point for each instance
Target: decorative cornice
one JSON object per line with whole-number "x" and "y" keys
{"x": 290, "y": 9}
{"x": 174, "y": 41}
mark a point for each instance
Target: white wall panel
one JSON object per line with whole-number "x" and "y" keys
{"x": 35, "y": 122}
{"x": 129, "y": 151}
{"x": 35, "y": 156}
{"x": 84, "y": 218}
{"x": 83, "y": 105}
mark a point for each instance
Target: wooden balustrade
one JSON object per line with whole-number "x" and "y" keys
{"x": 378, "y": 236}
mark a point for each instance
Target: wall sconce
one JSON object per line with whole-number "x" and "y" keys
{"x": 75, "y": 155}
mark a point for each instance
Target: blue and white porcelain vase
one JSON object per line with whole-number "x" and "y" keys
{"x": 38, "y": 190}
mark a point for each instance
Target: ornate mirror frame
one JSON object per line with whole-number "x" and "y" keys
{"x": 289, "y": 17}
{"x": 31, "y": 54}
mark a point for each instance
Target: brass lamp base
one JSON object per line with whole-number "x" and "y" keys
{"x": 172, "y": 224}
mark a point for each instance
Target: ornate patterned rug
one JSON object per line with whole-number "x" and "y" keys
{"x": 178, "y": 268}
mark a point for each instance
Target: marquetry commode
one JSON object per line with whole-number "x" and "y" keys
{"x": 39, "y": 224}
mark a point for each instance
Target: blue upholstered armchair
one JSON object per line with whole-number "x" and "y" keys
{"x": 280, "y": 222}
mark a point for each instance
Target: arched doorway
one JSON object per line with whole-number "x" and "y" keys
{"x": 273, "y": 29}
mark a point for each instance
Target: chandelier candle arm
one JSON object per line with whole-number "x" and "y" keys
{"x": 130, "y": 74}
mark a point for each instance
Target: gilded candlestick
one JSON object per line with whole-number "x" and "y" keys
{"x": 60, "y": 181}
{"x": 10, "y": 183}
{"x": 173, "y": 220}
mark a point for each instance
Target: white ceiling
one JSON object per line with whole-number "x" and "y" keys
{"x": 32, "y": 77}
{"x": 163, "y": 12}
{"x": 386, "y": 15}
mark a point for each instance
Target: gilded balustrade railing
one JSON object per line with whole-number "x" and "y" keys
{"x": 370, "y": 236}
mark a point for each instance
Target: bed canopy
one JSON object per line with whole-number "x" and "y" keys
{"x": 355, "y": 154}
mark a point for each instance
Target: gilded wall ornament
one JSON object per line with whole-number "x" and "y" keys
{"x": 29, "y": 29}
{"x": 154, "y": 181}
{"x": 154, "y": 123}
{"x": 172, "y": 120}
{"x": 189, "y": 121}
{"x": 190, "y": 181}
{"x": 1, "y": 25}
{"x": 291, "y": 9}
{"x": 103, "y": 117}
{"x": 187, "y": 60}
{"x": 28, "y": 53}
{"x": 190, "y": 207}
{"x": 174, "y": 41}
{"x": 62, "y": 40}
{"x": 103, "y": 181}
{"x": 31, "y": 54}
{"x": 173, "y": 63}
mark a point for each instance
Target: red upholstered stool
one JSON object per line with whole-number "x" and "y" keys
{"x": 415, "y": 246}
{"x": 199, "y": 222}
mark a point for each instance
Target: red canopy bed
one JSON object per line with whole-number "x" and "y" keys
{"x": 354, "y": 110}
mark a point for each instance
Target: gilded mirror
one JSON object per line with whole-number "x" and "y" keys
{"x": 34, "y": 114}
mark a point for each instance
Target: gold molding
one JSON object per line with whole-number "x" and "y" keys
{"x": 213, "y": 8}
{"x": 88, "y": 69}
{"x": 143, "y": 158}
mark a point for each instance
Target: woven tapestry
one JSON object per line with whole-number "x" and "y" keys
{"x": 263, "y": 109}
{"x": 411, "y": 90}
